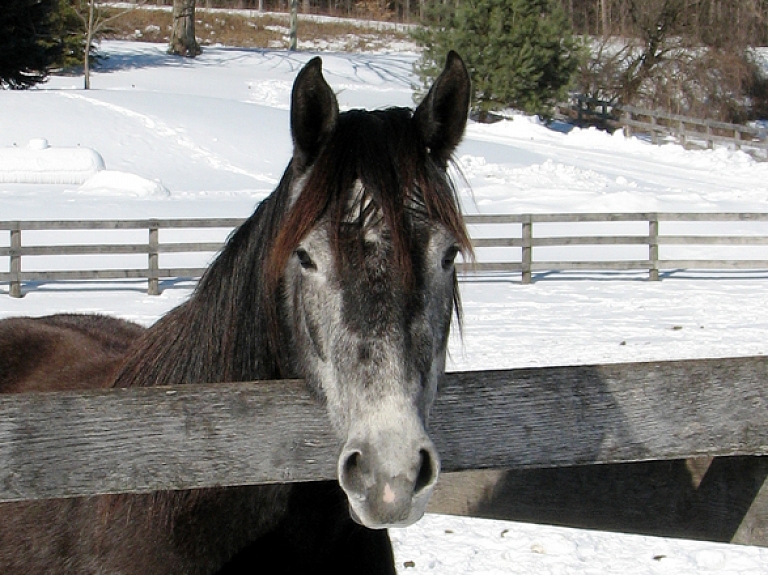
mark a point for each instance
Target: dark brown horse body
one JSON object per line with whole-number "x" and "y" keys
{"x": 344, "y": 277}
{"x": 75, "y": 351}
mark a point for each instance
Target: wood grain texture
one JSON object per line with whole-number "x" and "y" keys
{"x": 563, "y": 416}
{"x": 137, "y": 440}
{"x": 64, "y": 444}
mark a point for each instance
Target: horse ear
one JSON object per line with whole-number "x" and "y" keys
{"x": 314, "y": 111}
{"x": 442, "y": 116}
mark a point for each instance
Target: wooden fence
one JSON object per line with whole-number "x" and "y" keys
{"x": 66, "y": 444}
{"x": 689, "y": 131}
{"x": 591, "y": 111}
{"x": 658, "y": 125}
{"x": 530, "y": 238}
{"x": 504, "y": 243}
{"x": 152, "y": 248}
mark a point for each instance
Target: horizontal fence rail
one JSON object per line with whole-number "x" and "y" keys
{"x": 529, "y": 239}
{"x": 523, "y": 232}
{"x": 66, "y": 444}
{"x": 659, "y": 124}
{"x": 687, "y": 130}
{"x": 153, "y": 248}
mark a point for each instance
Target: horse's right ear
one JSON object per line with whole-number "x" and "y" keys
{"x": 314, "y": 111}
{"x": 442, "y": 116}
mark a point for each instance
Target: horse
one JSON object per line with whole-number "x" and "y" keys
{"x": 343, "y": 277}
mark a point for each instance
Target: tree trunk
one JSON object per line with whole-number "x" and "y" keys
{"x": 293, "y": 44}
{"x": 87, "y": 52}
{"x": 183, "y": 41}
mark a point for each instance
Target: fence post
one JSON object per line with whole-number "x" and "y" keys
{"x": 579, "y": 103}
{"x": 527, "y": 248}
{"x": 153, "y": 285}
{"x": 626, "y": 118}
{"x": 653, "y": 247}
{"x": 14, "y": 289}
{"x": 654, "y": 135}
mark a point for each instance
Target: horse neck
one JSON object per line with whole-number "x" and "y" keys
{"x": 221, "y": 333}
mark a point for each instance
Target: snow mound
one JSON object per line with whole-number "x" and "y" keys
{"x": 38, "y": 163}
{"x": 114, "y": 183}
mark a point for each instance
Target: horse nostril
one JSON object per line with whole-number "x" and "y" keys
{"x": 427, "y": 472}
{"x": 351, "y": 474}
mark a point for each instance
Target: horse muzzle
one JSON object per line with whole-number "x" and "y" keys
{"x": 388, "y": 487}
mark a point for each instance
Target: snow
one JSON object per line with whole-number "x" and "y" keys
{"x": 209, "y": 138}
{"x": 37, "y": 163}
{"x": 441, "y": 544}
{"x": 113, "y": 183}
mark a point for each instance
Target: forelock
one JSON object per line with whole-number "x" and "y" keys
{"x": 374, "y": 173}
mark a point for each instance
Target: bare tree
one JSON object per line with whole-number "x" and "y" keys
{"x": 183, "y": 41}
{"x": 678, "y": 60}
{"x": 629, "y": 71}
{"x": 659, "y": 23}
{"x": 95, "y": 18}
{"x": 709, "y": 21}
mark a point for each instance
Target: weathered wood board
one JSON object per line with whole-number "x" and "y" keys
{"x": 67, "y": 444}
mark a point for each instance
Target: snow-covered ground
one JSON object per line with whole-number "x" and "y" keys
{"x": 209, "y": 138}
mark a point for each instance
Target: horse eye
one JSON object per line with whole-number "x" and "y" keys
{"x": 449, "y": 257}
{"x": 304, "y": 260}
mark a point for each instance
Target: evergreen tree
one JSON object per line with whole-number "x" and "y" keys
{"x": 71, "y": 28}
{"x": 520, "y": 53}
{"x": 29, "y": 44}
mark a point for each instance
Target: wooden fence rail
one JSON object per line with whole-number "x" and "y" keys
{"x": 153, "y": 248}
{"x": 529, "y": 239}
{"x": 65, "y": 444}
{"x": 689, "y": 130}
{"x": 524, "y": 231}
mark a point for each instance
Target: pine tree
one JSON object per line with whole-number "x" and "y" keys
{"x": 68, "y": 27}
{"x": 29, "y": 44}
{"x": 520, "y": 53}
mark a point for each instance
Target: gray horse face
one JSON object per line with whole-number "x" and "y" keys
{"x": 370, "y": 301}
{"x": 375, "y": 350}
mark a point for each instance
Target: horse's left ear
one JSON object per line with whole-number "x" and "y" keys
{"x": 442, "y": 116}
{"x": 314, "y": 111}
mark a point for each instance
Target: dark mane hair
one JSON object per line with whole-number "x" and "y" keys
{"x": 382, "y": 149}
{"x": 401, "y": 182}
{"x": 197, "y": 341}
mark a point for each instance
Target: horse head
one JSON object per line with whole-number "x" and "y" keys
{"x": 364, "y": 260}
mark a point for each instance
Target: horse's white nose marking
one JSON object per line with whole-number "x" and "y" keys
{"x": 389, "y": 494}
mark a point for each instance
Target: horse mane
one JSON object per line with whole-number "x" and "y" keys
{"x": 229, "y": 330}
{"x": 221, "y": 334}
